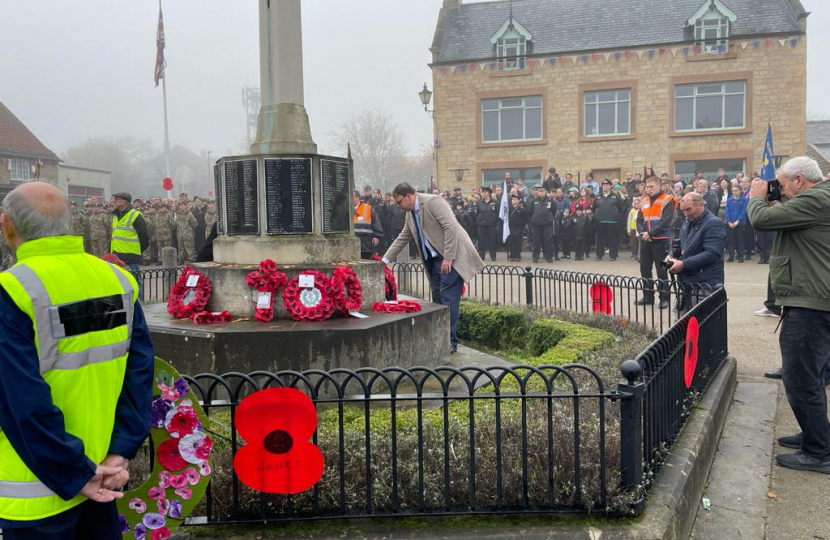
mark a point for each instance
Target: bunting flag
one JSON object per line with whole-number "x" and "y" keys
{"x": 532, "y": 63}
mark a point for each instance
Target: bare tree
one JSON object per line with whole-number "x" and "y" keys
{"x": 378, "y": 148}
{"x": 417, "y": 170}
{"x": 124, "y": 156}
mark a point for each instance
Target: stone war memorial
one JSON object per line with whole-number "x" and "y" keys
{"x": 287, "y": 204}
{"x": 321, "y": 397}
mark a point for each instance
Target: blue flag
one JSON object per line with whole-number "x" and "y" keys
{"x": 768, "y": 170}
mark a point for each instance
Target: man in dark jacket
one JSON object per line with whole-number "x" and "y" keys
{"x": 542, "y": 211}
{"x": 552, "y": 182}
{"x": 487, "y": 219}
{"x": 608, "y": 209}
{"x": 367, "y": 226}
{"x": 702, "y": 239}
{"x": 123, "y": 206}
{"x": 800, "y": 275}
{"x": 517, "y": 219}
{"x": 199, "y": 210}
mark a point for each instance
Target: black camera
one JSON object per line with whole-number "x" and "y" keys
{"x": 773, "y": 190}
{"x": 676, "y": 253}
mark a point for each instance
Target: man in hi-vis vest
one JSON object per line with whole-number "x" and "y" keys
{"x": 130, "y": 237}
{"x": 76, "y": 375}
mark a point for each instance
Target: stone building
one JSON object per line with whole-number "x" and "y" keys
{"x": 609, "y": 87}
{"x": 23, "y": 157}
{"x": 80, "y": 183}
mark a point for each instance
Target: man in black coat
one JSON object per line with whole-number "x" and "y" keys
{"x": 542, "y": 212}
{"x": 608, "y": 210}
{"x": 487, "y": 220}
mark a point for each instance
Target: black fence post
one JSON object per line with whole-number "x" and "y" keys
{"x": 529, "y": 284}
{"x": 631, "y": 425}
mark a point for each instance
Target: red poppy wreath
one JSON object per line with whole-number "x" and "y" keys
{"x": 207, "y": 317}
{"x": 401, "y": 306}
{"x": 310, "y": 303}
{"x": 266, "y": 281}
{"x": 389, "y": 278}
{"x": 348, "y": 290}
{"x": 189, "y": 295}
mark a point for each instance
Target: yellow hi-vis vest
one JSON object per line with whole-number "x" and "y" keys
{"x": 82, "y": 313}
{"x": 124, "y": 237}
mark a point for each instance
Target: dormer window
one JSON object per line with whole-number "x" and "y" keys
{"x": 711, "y": 26}
{"x": 512, "y": 43}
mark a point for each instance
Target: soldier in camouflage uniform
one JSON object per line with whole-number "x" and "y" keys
{"x": 78, "y": 224}
{"x": 210, "y": 217}
{"x": 164, "y": 228}
{"x": 185, "y": 225}
{"x": 151, "y": 253}
{"x": 100, "y": 225}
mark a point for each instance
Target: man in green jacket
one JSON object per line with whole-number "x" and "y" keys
{"x": 800, "y": 278}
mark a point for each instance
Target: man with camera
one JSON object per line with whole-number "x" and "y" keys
{"x": 702, "y": 239}
{"x": 800, "y": 279}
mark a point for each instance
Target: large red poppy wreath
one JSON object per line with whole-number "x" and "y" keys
{"x": 276, "y": 425}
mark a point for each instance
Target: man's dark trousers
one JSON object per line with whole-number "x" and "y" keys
{"x": 769, "y": 303}
{"x": 446, "y": 290}
{"x": 87, "y": 520}
{"x": 608, "y": 236}
{"x": 487, "y": 242}
{"x": 805, "y": 350}
{"x": 542, "y": 240}
{"x": 652, "y": 254}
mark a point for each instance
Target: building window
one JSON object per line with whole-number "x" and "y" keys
{"x": 707, "y": 106}
{"x": 21, "y": 170}
{"x": 709, "y": 168}
{"x": 712, "y": 32}
{"x": 607, "y": 112}
{"x": 511, "y": 119}
{"x": 495, "y": 177}
{"x": 511, "y": 50}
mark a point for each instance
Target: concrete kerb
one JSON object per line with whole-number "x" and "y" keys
{"x": 670, "y": 511}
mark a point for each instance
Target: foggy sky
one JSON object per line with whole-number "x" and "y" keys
{"x": 73, "y": 69}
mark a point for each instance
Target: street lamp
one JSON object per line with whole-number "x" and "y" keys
{"x": 426, "y": 97}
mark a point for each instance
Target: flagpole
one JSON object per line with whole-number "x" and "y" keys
{"x": 167, "y": 170}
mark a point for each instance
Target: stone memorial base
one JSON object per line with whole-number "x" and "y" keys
{"x": 231, "y": 292}
{"x": 416, "y": 339}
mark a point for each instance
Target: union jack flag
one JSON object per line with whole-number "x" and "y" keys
{"x": 161, "y": 63}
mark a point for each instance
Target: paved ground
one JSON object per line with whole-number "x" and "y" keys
{"x": 751, "y": 497}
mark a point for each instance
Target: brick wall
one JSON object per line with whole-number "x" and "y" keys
{"x": 776, "y": 92}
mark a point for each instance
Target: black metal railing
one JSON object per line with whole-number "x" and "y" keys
{"x": 619, "y": 296}
{"x": 157, "y": 283}
{"x": 664, "y": 383}
{"x": 429, "y": 441}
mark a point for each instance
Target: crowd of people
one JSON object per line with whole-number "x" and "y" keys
{"x": 178, "y": 222}
{"x": 560, "y": 218}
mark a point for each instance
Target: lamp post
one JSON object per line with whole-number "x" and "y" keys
{"x": 426, "y": 96}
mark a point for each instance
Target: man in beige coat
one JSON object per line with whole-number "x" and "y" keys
{"x": 448, "y": 254}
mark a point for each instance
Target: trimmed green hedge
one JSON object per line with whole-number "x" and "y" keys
{"x": 496, "y": 328}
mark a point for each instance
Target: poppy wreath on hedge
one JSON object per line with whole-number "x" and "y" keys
{"x": 268, "y": 279}
{"x": 402, "y": 306}
{"x": 310, "y": 304}
{"x": 389, "y": 278}
{"x": 183, "y": 301}
{"x": 348, "y": 290}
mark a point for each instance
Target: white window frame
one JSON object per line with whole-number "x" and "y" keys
{"x": 512, "y": 40}
{"x": 712, "y": 15}
{"x": 524, "y": 107}
{"x": 617, "y": 103}
{"x": 21, "y": 170}
{"x": 723, "y": 93}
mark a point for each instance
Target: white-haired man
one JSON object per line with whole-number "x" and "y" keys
{"x": 800, "y": 278}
